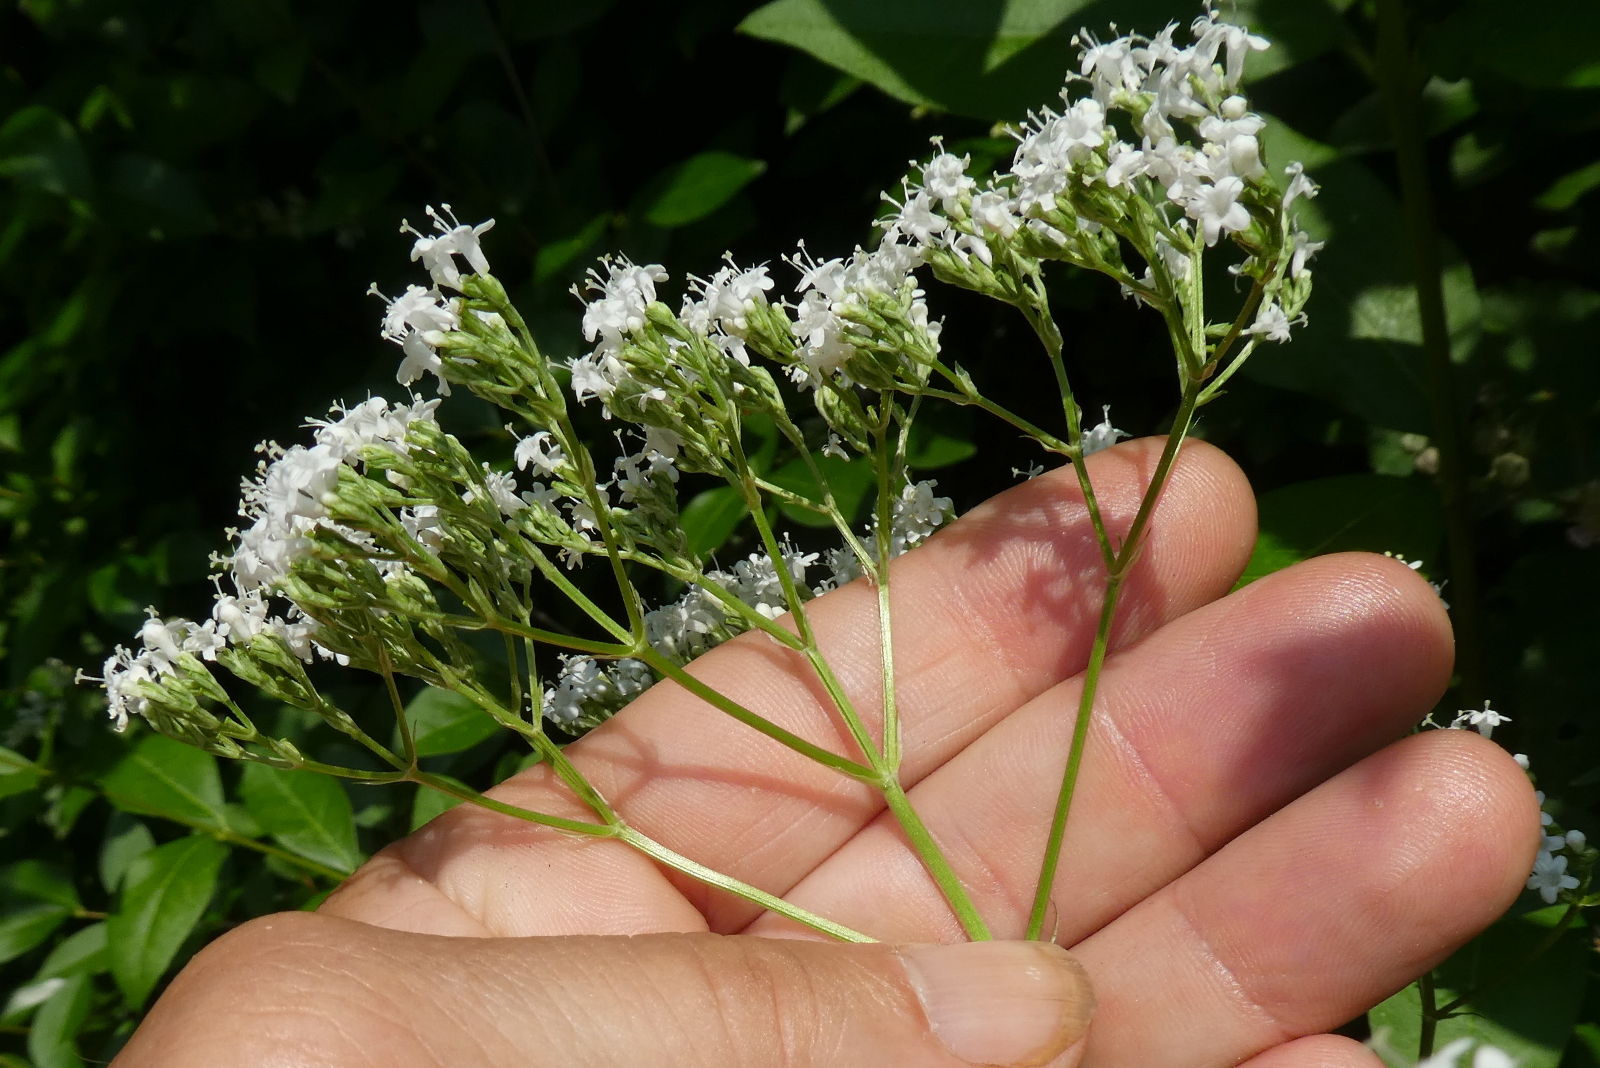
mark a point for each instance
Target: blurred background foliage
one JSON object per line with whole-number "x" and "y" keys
{"x": 195, "y": 194}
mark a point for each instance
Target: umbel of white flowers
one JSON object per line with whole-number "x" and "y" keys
{"x": 1155, "y": 153}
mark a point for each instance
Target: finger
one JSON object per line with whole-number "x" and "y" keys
{"x": 1317, "y": 1051}
{"x": 1319, "y": 912}
{"x": 990, "y": 613}
{"x": 1198, "y": 732}
{"x": 313, "y": 990}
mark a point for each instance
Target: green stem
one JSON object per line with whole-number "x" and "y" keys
{"x": 556, "y": 578}
{"x": 933, "y": 859}
{"x": 1116, "y": 573}
{"x": 677, "y": 861}
{"x": 1069, "y": 776}
{"x": 797, "y": 611}
{"x": 1000, "y": 412}
{"x": 1038, "y": 316}
{"x": 1400, "y": 88}
{"x": 408, "y": 743}
{"x": 560, "y": 823}
{"x": 665, "y": 667}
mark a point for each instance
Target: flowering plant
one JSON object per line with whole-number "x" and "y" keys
{"x": 385, "y": 546}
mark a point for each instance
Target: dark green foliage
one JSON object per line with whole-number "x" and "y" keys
{"x": 194, "y": 195}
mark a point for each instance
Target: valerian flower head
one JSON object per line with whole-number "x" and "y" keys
{"x": 451, "y": 238}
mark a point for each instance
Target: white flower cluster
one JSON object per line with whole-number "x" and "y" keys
{"x": 625, "y": 292}
{"x": 721, "y": 308}
{"x": 831, "y": 290}
{"x": 285, "y": 502}
{"x": 1556, "y": 848}
{"x": 1193, "y": 157}
{"x": 587, "y": 691}
{"x": 419, "y": 318}
{"x": 1550, "y": 875}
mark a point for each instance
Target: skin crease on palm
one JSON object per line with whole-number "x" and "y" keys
{"x": 1257, "y": 853}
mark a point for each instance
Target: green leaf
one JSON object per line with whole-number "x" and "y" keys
{"x": 23, "y": 927}
{"x": 306, "y": 813}
{"x": 18, "y": 774}
{"x": 164, "y": 895}
{"x": 445, "y": 722}
{"x": 83, "y": 952}
{"x": 710, "y": 518}
{"x": 429, "y": 803}
{"x": 37, "y": 897}
{"x": 126, "y": 840}
{"x": 164, "y": 777}
{"x": 52, "y": 1039}
{"x": 697, "y": 187}
{"x": 1372, "y": 513}
{"x": 38, "y": 881}
{"x": 40, "y": 149}
{"x": 1526, "y": 1008}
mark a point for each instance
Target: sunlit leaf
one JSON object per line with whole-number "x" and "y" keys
{"x": 162, "y": 899}
{"x": 445, "y": 722}
{"x": 306, "y": 813}
{"x": 164, "y": 777}
{"x": 52, "y": 1038}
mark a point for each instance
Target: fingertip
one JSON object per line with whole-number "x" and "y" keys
{"x": 1004, "y": 1002}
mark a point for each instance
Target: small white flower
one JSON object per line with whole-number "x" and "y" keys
{"x": 500, "y": 488}
{"x": 1550, "y": 877}
{"x": 1217, "y": 209}
{"x": 1272, "y": 323}
{"x": 1304, "y": 249}
{"x": 945, "y": 178}
{"x": 1299, "y": 185}
{"x": 1103, "y": 435}
{"x": 916, "y": 515}
{"x": 541, "y": 452}
{"x": 995, "y": 212}
{"x": 452, "y": 238}
{"x": 1484, "y": 720}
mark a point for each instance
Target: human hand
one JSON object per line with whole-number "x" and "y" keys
{"x": 1252, "y": 858}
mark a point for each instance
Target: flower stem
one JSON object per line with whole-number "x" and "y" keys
{"x": 933, "y": 860}
{"x": 1122, "y": 563}
{"x": 678, "y": 862}
{"x": 664, "y": 666}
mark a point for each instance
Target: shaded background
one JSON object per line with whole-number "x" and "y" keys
{"x": 194, "y": 196}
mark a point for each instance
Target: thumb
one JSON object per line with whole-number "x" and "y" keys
{"x": 314, "y": 989}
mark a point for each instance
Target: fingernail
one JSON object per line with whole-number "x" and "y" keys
{"x": 1001, "y": 1003}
